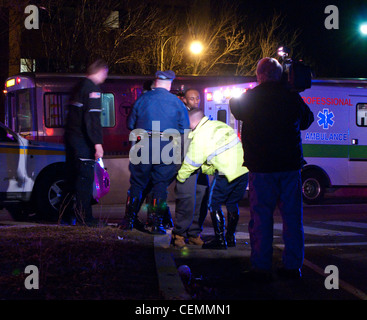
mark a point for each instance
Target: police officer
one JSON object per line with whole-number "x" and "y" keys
{"x": 83, "y": 142}
{"x": 155, "y": 112}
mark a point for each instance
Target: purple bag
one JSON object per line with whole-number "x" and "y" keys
{"x": 101, "y": 185}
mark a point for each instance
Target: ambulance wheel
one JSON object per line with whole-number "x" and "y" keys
{"x": 313, "y": 187}
{"x": 49, "y": 193}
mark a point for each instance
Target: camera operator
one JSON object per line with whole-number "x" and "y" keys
{"x": 272, "y": 117}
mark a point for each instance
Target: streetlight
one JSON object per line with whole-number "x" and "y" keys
{"x": 363, "y": 29}
{"x": 196, "y": 47}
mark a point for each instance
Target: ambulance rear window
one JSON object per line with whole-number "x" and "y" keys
{"x": 361, "y": 114}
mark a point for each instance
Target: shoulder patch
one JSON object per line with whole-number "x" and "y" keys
{"x": 94, "y": 95}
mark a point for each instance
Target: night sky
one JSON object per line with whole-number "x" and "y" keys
{"x": 331, "y": 53}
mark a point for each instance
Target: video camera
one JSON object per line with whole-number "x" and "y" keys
{"x": 296, "y": 75}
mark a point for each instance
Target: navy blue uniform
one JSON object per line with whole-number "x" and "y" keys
{"x": 170, "y": 113}
{"x": 159, "y": 105}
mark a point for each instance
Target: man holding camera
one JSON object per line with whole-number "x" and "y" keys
{"x": 272, "y": 117}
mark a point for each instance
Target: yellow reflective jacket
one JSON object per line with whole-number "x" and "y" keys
{"x": 214, "y": 147}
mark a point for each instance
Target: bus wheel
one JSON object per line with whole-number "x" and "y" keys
{"x": 49, "y": 195}
{"x": 313, "y": 188}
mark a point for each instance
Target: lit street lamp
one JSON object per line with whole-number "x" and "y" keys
{"x": 196, "y": 47}
{"x": 363, "y": 29}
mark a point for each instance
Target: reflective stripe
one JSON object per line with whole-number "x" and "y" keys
{"x": 224, "y": 148}
{"x": 95, "y": 110}
{"x": 189, "y": 161}
{"x": 77, "y": 104}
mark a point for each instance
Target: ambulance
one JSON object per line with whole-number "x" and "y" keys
{"x": 334, "y": 146}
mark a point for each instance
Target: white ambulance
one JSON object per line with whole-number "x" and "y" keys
{"x": 334, "y": 146}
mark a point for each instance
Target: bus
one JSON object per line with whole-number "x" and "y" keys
{"x": 35, "y": 108}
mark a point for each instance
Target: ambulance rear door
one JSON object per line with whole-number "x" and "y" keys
{"x": 357, "y": 167}
{"x": 325, "y": 142}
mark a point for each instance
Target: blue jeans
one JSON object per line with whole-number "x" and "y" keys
{"x": 267, "y": 190}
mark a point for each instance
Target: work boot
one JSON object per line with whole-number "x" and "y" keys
{"x": 219, "y": 241}
{"x": 155, "y": 216}
{"x": 178, "y": 241}
{"x": 231, "y": 228}
{"x": 132, "y": 206}
{"x": 197, "y": 241}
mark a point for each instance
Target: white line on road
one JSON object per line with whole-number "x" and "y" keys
{"x": 321, "y": 231}
{"x": 343, "y": 284}
{"x": 353, "y": 224}
{"x": 330, "y": 244}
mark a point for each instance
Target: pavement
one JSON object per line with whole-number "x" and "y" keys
{"x": 217, "y": 275}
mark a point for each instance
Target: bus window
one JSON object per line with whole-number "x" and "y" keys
{"x": 10, "y": 103}
{"x": 55, "y": 108}
{"x": 54, "y": 104}
{"x": 22, "y": 118}
{"x": 108, "y": 110}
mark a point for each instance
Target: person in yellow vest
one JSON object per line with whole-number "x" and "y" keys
{"x": 216, "y": 149}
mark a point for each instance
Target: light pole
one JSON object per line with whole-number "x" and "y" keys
{"x": 162, "y": 51}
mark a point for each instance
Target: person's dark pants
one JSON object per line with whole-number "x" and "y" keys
{"x": 190, "y": 208}
{"x": 152, "y": 169}
{"x": 79, "y": 181}
{"x": 159, "y": 174}
{"x": 267, "y": 190}
{"x": 228, "y": 193}
{"x": 203, "y": 187}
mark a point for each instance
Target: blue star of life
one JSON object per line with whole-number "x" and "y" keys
{"x": 325, "y": 118}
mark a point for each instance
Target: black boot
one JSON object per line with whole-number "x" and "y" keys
{"x": 156, "y": 211}
{"x": 132, "y": 206}
{"x": 231, "y": 228}
{"x": 219, "y": 241}
{"x": 167, "y": 218}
